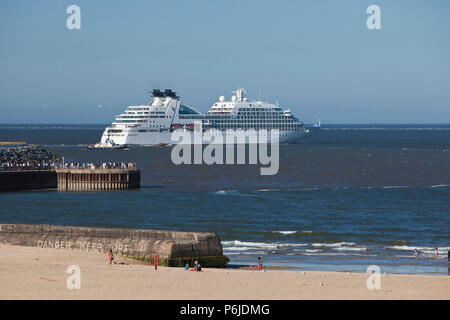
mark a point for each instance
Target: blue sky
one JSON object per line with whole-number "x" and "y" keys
{"x": 316, "y": 57}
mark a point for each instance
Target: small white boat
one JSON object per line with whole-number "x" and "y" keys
{"x": 315, "y": 127}
{"x": 108, "y": 145}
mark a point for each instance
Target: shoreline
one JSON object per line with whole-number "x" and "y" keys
{"x": 38, "y": 273}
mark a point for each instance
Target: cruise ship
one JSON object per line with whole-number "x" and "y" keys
{"x": 154, "y": 123}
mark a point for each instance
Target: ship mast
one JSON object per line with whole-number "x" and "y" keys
{"x": 240, "y": 94}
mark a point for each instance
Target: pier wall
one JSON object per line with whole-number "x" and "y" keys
{"x": 97, "y": 179}
{"x": 174, "y": 247}
{"x": 27, "y": 180}
{"x": 70, "y": 179}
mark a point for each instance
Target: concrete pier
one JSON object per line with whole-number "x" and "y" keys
{"x": 175, "y": 248}
{"x": 97, "y": 179}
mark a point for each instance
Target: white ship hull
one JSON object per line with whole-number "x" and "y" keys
{"x": 163, "y": 138}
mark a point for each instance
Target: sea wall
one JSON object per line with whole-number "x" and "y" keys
{"x": 69, "y": 179}
{"x": 97, "y": 179}
{"x": 174, "y": 247}
{"x": 27, "y": 180}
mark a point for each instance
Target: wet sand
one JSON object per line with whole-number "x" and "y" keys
{"x": 37, "y": 273}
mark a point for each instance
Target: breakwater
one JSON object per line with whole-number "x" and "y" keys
{"x": 31, "y": 179}
{"x": 25, "y": 157}
{"x": 175, "y": 248}
{"x": 69, "y": 179}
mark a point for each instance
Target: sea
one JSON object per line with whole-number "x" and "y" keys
{"x": 347, "y": 197}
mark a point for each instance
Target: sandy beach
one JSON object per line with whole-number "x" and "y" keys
{"x": 37, "y": 273}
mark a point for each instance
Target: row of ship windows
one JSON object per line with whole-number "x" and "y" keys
{"x": 259, "y": 126}
{"x": 236, "y": 117}
{"x": 296, "y": 125}
{"x": 150, "y": 112}
{"x": 240, "y": 122}
{"x": 239, "y": 118}
{"x": 260, "y": 109}
{"x": 256, "y": 120}
{"x": 260, "y": 113}
{"x": 228, "y": 127}
{"x": 140, "y": 117}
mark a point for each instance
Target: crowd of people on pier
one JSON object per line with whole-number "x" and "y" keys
{"x": 29, "y": 165}
{"x": 97, "y": 165}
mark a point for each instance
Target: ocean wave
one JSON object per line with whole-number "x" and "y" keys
{"x": 439, "y": 186}
{"x": 325, "y": 254}
{"x": 287, "y": 189}
{"x": 237, "y": 253}
{"x": 285, "y": 232}
{"x": 232, "y": 193}
{"x": 351, "y": 248}
{"x": 299, "y": 232}
{"x": 237, "y": 245}
{"x": 430, "y": 251}
{"x": 223, "y": 191}
{"x": 333, "y": 245}
{"x": 394, "y": 187}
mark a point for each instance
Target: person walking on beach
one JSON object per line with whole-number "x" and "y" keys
{"x": 436, "y": 252}
{"x": 415, "y": 253}
{"x": 110, "y": 256}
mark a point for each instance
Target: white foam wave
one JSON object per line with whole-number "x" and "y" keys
{"x": 351, "y": 248}
{"x": 333, "y": 245}
{"x": 285, "y": 232}
{"x": 393, "y": 187}
{"x": 421, "y": 250}
{"x": 236, "y": 244}
{"x": 223, "y": 191}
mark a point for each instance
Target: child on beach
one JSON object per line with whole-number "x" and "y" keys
{"x": 186, "y": 268}
{"x": 260, "y": 263}
{"x": 415, "y": 253}
{"x": 110, "y": 256}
